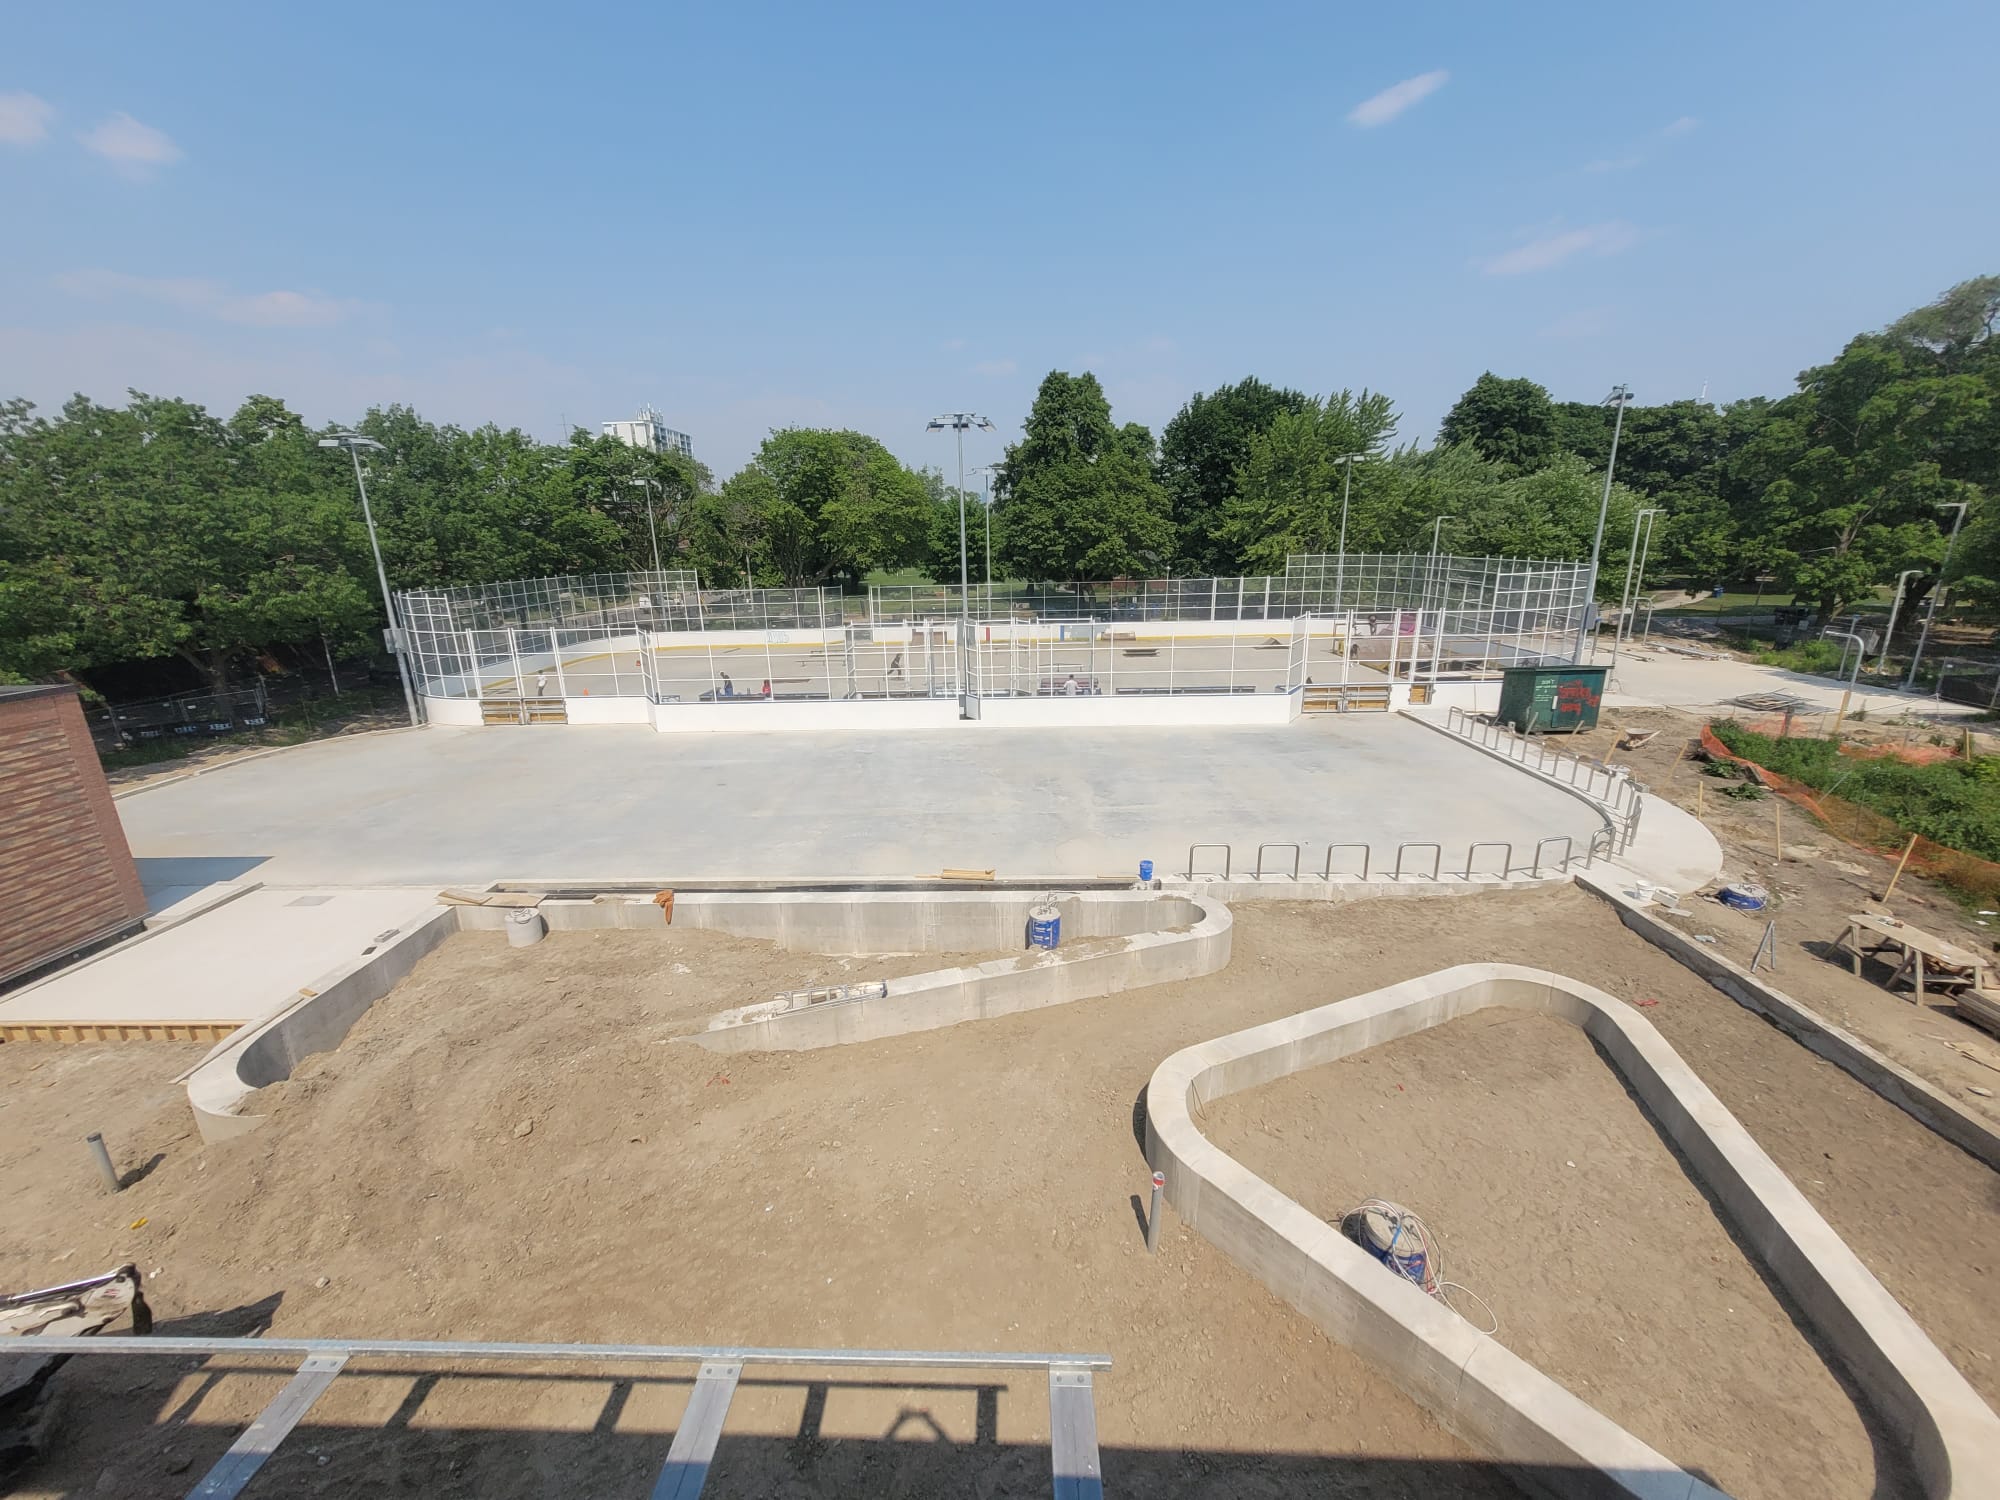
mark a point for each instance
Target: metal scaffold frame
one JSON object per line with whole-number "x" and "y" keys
{"x": 684, "y": 1470}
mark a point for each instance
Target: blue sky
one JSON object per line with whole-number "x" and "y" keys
{"x": 757, "y": 215}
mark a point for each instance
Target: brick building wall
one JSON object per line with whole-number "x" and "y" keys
{"x": 66, "y": 875}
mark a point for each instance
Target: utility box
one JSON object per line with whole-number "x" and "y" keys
{"x": 1535, "y": 699}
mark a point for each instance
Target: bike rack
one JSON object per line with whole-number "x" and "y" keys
{"x": 1437, "y": 858}
{"x": 1569, "y": 848}
{"x": 1506, "y": 864}
{"x": 1610, "y": 845}
{"x": 1297, "y": 853}
{"x": 1326, "y": 871}
{"x": 1227, "y": 856}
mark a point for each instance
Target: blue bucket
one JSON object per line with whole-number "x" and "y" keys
{"x": 1044, "y": 927}
{"x": 1145, "y": 869}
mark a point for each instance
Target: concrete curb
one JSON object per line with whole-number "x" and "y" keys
{"x": 821, "y": 922}
{"x": 1921, "y": 1100}
{"x": 265, "y": 1053}
{"x": 1000, "y": 987}
{"x": 1476, "y": 1387}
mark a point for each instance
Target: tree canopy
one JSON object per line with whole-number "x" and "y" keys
{"x": 1076, "y": 498}
{"x": 156, "y": 531}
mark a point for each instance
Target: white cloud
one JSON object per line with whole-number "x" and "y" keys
{"x": 24, "y": 118}
{"x": 1398, "y": 97}
{"x": 128, "y": 143}
{"x": 277, "y": 309}
{"x": 994, "y": 367}
{"x": 953, "y": 345}
{"x": 1681, "y": 126}
{"x": 1613, "y": 164}
{"x": 1551, "y": 250}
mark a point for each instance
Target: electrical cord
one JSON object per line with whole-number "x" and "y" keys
{"x": 1408, "y": 1231}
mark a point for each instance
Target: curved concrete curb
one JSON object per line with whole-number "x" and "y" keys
{"x": 1917, "y": 1097}
{"x": 266, "y": 1053}
{"x": 945, "y": 997}
{"x": 1478, "y": 1388}
{"x": 1672, "y": 849}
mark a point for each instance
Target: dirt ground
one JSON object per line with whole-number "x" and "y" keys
{"x": 976, "y": 1187}
{"x": 1821, "y": 879}
{"x": 1560, "y": 1205}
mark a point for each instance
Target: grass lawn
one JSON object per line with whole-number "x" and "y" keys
{"x": 1730, "y": 604}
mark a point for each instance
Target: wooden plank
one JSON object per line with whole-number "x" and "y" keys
{"x": 686, "y": 1468}
{"x": 1073, "y": 1434}
{"x": 260, "y": 1439}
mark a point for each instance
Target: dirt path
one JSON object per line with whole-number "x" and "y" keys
{"x": 972, "y": 1187}
{"x": 1820, "y": 880}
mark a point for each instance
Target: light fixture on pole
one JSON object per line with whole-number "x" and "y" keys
{"x": 1620, "y": 397}
{"x": 646, "y": 482}
{"x": 1430, "y": 569}
{"x": 1924, "y": 635}
{"x": 1895, "y": 606}
{"x": 1347, "y": 461}
{"x": 354, "y": 443}
{"x": 958, "y": 422}
{"x": 1628, "y": 597}
{"x": 985, "y": 473}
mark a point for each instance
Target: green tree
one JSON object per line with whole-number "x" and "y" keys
{"x": 156, "y": 530}
{"x": 814, "y": 507}
{"x": 1287, "y": 492}
{"x": 1201, "y": 450}
{"x": 1076, "y": 497}
{"x": 1511, "y": 422}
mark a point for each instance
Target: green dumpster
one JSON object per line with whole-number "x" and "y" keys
{"x": 1533, "y": 699}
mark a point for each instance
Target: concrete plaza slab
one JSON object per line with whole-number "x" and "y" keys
{"x": 627, "y": 803}
{"x": 232, "y": 963}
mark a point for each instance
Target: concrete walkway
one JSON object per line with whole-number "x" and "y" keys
{"x": 1652, "y": 679}
{"x": 617, "y": 803}
{"x": 231, "y": 964}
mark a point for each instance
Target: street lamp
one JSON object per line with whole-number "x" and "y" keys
{"x": 985, "y": 473}
{"x": 1346, "y": 460}
{"x": 1620, "y": 397}
{"x": 1895, "y": 606}
{"x": 1628, "y": 597}
{"x": 1930, "y": 614}
{"x": 958, "y": 421}
{"x": 645, "y": 482}
{"x": 354, "y": 443}
{"x": 1430, "y": 569}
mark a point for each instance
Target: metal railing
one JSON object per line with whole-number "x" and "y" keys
{"x": 1228, "y": 855}
{"x": 1407, "y": 865}
{"x": 1610, "y": 787}
{"x": 684, "y": 1472}
{"x": 1297, "y": 854}
{"x": 1437, "y": 858}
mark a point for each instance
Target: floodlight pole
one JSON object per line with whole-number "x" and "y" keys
{"x": 985, "y": 473}
{"x": 354, "y": 443}
{"x": 647, "y": 484}
{"x": 958, "y": 421}
{"x": 1346, "y": 460}
{"x": 1628, "y": 599}
{"x": 1620, "y": 396}
{"x": 1944, "y": 567}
